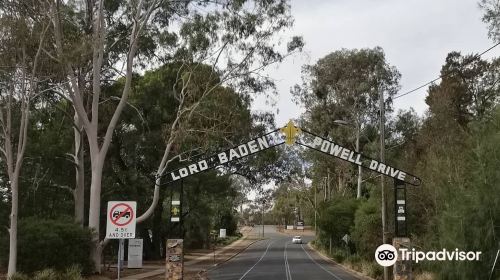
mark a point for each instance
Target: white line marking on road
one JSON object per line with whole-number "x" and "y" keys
{"x": 287, "y": 266}
{"x": 263, "y": 255}
{"x": 328, "y": 271}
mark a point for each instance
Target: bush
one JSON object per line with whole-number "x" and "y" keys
{"x": 46, "y": 274}
{"x": 366, "y": 233}
{"x": 72, "y": 273}
{"x": 336, "y": 220}
{"x": 54, "y": 244}
{"x": 19, "y": 276}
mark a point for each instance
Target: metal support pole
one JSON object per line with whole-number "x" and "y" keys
{"x": 315, "y": 208}
{"x": 402, "y": 269}
{"x": 358, "y": 196}
{"x": 262, "y": 220}
{"x": 181, "y": 222}
{"x": 382, "y": 186}
{"x": 120, "y": 252}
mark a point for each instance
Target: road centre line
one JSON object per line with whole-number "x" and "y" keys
{"x": 263, "y": 255}
{"x": 287, "y": 266}
{"x": 329, "y": 272}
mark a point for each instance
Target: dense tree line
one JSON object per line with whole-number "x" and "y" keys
{"x": 100, "y": 98}
{"x": 453, "y": 148}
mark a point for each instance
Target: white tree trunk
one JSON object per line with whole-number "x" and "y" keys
{"x": 79, "y": 192}
{"x": 161, "y": 169}
{"x": 13, "y": 228}
{"x": 95, "y": 209}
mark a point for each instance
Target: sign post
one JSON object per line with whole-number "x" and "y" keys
{"x": 120, "y": 256}
{"x": 402, "y": 269}
{"x": 121, "y": 221}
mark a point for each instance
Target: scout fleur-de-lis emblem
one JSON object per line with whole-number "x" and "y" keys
{"x": 175, "y": 211}
{"x": 290, "y": 131}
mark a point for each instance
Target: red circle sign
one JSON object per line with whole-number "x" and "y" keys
{"x": 122, "y": 213}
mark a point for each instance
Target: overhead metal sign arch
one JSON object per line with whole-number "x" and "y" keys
{"x": 291, "y": 134}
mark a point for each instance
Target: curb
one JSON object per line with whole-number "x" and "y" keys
{"x": 202, "y": 273}
{"x": 357, "y": 273}
{"x": 237, "y": 253}
{"x": 221, "y": 250}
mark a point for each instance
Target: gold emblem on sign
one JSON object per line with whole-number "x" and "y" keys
{"x": 291, "y": 132}
{"x": 175, "y": 211}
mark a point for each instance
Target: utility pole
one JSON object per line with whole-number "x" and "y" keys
{"x": 262, "y": 219}
{"x": 315, "y": 208}
{"x": 382, "y": 159}
{"x": 357, "y": 126}
{"x": 328, "y": 183}
{"x": 359, "y": 166}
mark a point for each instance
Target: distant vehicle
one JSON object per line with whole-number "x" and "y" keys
{"x": 297, "y": 240}
{"x": 118, "y": 213}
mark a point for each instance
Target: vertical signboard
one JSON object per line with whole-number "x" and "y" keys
{"x": 175, "y": 211}
{"x": 400, "y": 209}
{"x": 134, "y": 253}
{"x": 175, "y": 259}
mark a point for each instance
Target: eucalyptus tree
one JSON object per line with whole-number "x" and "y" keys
{"x": 344, "y": 88}
{"x": 21, "y": 56}
{"x": 238, "y": 39}
{"x": 491, "y": 16}
{"x": 96, "y": 42}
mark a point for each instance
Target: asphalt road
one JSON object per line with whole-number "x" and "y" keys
{"x": 276, "y": 258}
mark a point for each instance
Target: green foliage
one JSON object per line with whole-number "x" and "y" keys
{"x": 462, "y": 223}
{"x": 72, "y": 273}
{"x": 491, "y": 17}
{"x": 366, "y": 233}
{"x": 19, "y": 276}
{"x": 50, "y": 244}
{"x": 337, "y": 218}
{"x": 454, "y": 149}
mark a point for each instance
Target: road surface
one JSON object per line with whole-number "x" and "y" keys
{"x": 276, "y": 258}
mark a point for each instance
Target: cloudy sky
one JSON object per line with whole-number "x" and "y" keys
{"x": 416, "y": 36}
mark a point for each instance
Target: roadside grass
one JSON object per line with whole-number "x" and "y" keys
{"x": 351, "y": 261}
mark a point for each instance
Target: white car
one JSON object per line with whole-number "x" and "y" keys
{"x": 297, "y": 240}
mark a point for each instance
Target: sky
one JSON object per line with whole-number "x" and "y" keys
{"x": 416, "y": 36}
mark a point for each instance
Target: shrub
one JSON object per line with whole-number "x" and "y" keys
{"x": 72, "y": 273}
{"x": 366, "y": 233}
{"x": 51, "y": 244}
{"x": 46, "y": 274}
{"x": 19, "y": 276}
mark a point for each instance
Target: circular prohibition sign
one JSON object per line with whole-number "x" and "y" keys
{"x": 128, "y": 209}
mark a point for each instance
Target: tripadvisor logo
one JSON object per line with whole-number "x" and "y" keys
{"x": 386, "y": 255}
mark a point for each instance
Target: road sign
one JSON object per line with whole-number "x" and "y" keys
{"x": 400, "y": 209}
{"x": 121, "y": 219}
{"x": 175, "y": 211}
{"x": 315, "y": 142}
{"x": 135, "y": 253}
